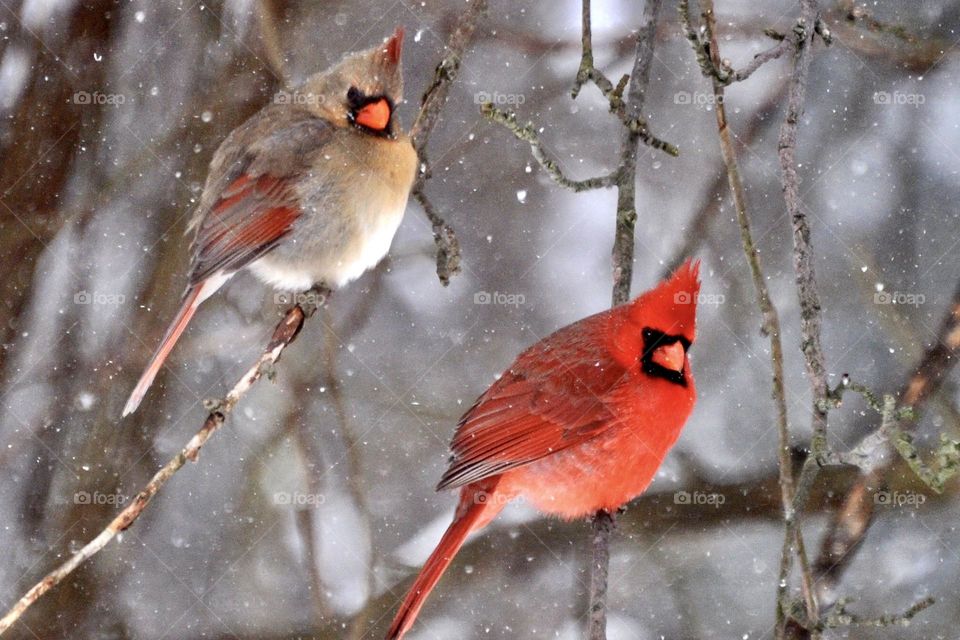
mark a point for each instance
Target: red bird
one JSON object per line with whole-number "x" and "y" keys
{"x": 580, "y": 422}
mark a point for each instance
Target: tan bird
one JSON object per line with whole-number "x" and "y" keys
{"x": 310, "y": 190}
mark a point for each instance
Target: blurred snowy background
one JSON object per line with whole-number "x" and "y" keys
{"x": 310, "y": 511}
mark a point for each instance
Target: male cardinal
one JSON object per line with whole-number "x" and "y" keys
{"x": 579, "y": 422}
{"x": 309, "y": 190}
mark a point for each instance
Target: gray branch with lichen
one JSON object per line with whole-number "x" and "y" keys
{"x": 628, "y": 110}
{"x": 874, "y": 451}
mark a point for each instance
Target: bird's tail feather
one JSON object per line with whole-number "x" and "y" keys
{"x": 191, "y": 300}
{"x": 471, "y": 515}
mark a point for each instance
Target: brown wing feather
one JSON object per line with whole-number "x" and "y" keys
{"x": 551, "y": 399}
{"x": 250, "y": 201}
{"x": 251, "y": 217}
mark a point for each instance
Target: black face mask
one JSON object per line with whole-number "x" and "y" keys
{"x": 654, "y": 340}
{"x": 357, "y": 100}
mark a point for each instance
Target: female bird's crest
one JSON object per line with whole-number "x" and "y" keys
{"x": 363, "y": 89}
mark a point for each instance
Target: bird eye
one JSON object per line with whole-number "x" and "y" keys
{"x": 354, "y": 96}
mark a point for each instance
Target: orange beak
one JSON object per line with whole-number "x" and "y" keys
{"x": 375, "y": 115}
{"x": 670, "y": 356}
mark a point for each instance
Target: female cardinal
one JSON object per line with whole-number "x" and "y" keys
{"x": 309, "y": 190}
{"x": 580, "y": 422}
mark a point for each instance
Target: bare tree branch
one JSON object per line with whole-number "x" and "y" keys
{"x": 850, "y": 523}
{"x": 630, "y": 116}
{"x": 708, "y": 55}
{"x": 761, "y": 59}
{"x": 810, "y": 313}
{"x": 717, "y": 68}
{"x": 528, "y": 133}
{"x": 284, "y": 333}
{"x": 627, "y": 174}
{"x": 623, "y": 244}
{"x": 432, "y": 102}
{"x": 603, "y": 525}
{"x": 840, "y": 617}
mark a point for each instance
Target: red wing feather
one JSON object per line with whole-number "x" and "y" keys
{"x": 250, "y": 200}
{"x": 551, "y": 399}
{"x": 250, "y": 217}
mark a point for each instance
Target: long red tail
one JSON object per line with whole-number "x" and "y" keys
{"x": 191, "y": 300}
{"x": 467, "y": 519}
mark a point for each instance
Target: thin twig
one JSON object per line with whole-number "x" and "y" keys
{"x": 284, "y": 333}
{"x": 810, "y": 312}
{"x": 841, "y": 618}
{"x": 632, "y": 118}
{"x": 762, "y": 58}
{"x": 802, "y": 39}
{"x": 431, "y": 104}
{"x": 528, "y": 134}
{"x": 623, "y": 244}
{"x": 850, "y": 523}
{"x": 715, "y": 67}
{"x": 708, "y": 44}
